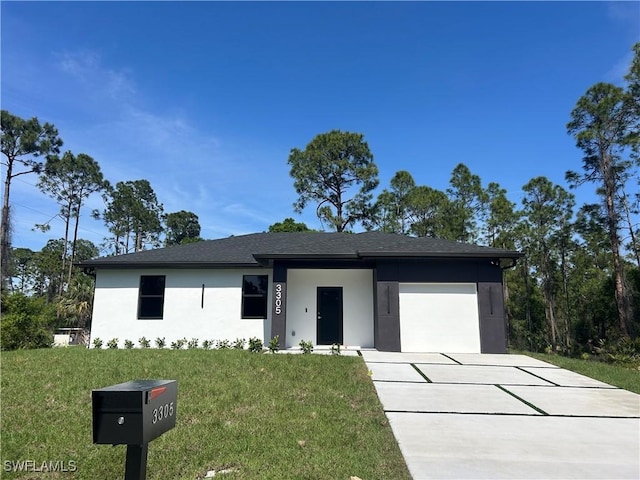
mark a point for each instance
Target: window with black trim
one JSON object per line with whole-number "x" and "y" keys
{"x": 254, "y": 296}
{"x": 151, "y": 297}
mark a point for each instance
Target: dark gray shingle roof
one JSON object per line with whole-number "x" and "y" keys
{"x": 256, "y": 248}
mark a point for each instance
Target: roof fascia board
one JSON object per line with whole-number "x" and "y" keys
{"x": 305, "y": 256}
{"x": 155, "y": 265}
{"x": 443, "y": 255}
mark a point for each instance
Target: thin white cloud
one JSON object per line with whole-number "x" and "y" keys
{"x": 170, "y": 136}
{"x": 187, "y": 167}
{"x": 101, "y": 112}
{"x": 78, "y": 64}
{"x": 241, "y": 211}
{"x": 86, "y": 68}
{"x": 627, "y": 16}
{"x": 617, "y": 73}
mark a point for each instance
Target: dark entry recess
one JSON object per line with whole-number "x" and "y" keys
{"x": 329, "y": 315}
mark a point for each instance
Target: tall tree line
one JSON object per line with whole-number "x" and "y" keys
{"x": 132, "y": 214}
{"x": 580, "y": 277}
{"x": 42, "y": 290}
{"x": 578, "y": 282}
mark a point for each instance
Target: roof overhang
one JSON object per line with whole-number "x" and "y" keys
{"x": 267, "y": 259}
{"x": 156, "y": 265}
{"x": 452, "y": 255}
{"x": 506, "y": 259}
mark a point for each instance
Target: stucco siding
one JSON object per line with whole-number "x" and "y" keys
{"x": 187, "y": 314}
{"x": 357, "y": 304}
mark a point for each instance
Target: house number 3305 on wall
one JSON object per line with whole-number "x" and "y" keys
{"x": 162, "y": 412}
{"x": 278, "y": 298}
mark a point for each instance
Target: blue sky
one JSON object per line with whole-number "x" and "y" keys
{"x": 206, "y": 99}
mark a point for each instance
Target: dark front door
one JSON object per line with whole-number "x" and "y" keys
{"x": 329, "y": 315}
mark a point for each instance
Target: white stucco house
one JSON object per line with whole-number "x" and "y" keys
{"x": 370, "y": 290}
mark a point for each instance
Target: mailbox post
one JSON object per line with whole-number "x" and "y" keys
{"x": 133, "y": 414}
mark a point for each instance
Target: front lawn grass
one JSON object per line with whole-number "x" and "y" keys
{"x": 620, "y": 376}
{"x": 264, "y": 416}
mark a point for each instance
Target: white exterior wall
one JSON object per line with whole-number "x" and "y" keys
{"x": 439, "y": 317}
{"x": 357, "y": 304}
{"x": 115, "y": 307}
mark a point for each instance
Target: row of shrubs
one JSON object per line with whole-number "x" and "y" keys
{"x": 253, "y": 345}
{"x": 623, "y": 351}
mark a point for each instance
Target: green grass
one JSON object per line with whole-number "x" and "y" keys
{"x": 267, "y": 416}
{"x": 620, "y": 376}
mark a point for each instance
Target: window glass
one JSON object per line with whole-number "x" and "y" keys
{"x": 152, "y": 285}
{"x": 254, "y": 296}
{"x": 151, "y": 296}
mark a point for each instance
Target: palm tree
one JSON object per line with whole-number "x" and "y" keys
{"x": 76, "y": 305}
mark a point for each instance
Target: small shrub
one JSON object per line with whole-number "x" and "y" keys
{"x": 208, "y": 344}
{"x": 274, "y": 344}
{"x": 193, "y": 343}
{"x": 128, "y": 344}
{"x": 223, "y": 344}
{"x": 255, "y": 345}
{"x": 113, "y": 344}
{"x": 179, "y": 344}
{"x": 238, "y": 343}
{"x": 97, "y": 342}
{"x": 160, "y": 342}
{"x": 335, "y": 349}
{"x": 306, "y": 346}
{"x": 144, "y": 343}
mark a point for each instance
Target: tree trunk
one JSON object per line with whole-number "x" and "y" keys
{"x": 549, "y": 311}
{"x": 507, "y": 309}
{"x": 67, "y": 219}
{"x": 547, "y": 293}
{"x": 339, "y": 220}
{"x": 565, "y": 287}
{"x": 525, "y": 270}
{"x": 138, "y": 246}
{"x": 622, "y": 300}
{"x": 5, "y": 240}
{"x": 73, "y": 245}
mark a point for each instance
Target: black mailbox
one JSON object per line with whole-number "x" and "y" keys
{"x": 134, "y": 413}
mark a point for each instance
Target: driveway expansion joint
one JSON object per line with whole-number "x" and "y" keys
{"x": 452, "y": 359}
{"x": 538, "y": 376}
{"x": 421, "y": 373}
{"x": 529, "y": 404}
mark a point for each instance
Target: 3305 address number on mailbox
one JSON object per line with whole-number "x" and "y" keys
{"x": 162, "y": 412}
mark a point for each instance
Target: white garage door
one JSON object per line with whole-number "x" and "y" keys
{"x": 439, "y": 317}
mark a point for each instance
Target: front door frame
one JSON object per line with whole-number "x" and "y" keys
{"x": 339, "y": 319}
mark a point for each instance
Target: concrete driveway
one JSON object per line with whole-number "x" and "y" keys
{"x": 472, "y": 416}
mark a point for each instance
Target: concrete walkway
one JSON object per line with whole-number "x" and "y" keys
{"x": 472, "y": 416}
